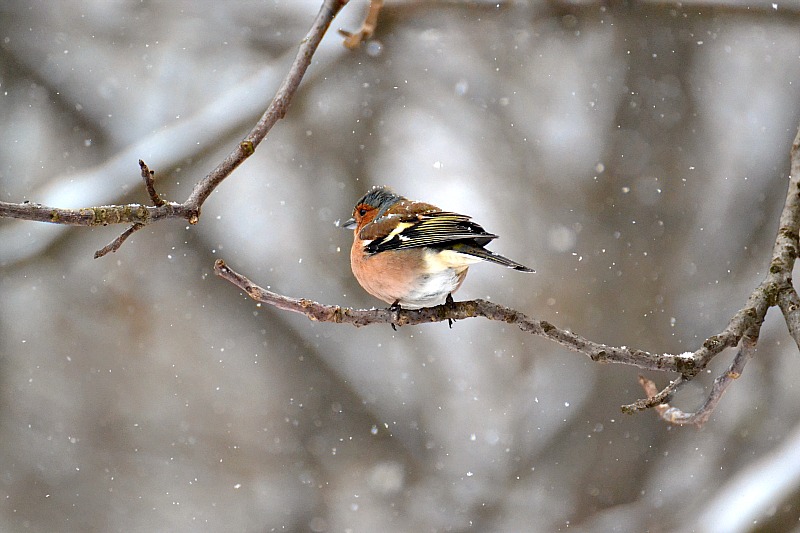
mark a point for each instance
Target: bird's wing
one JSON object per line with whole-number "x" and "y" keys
{"x": 438, "y": 228}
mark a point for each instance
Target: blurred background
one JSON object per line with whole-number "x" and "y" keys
{"x": 634, "y": 154}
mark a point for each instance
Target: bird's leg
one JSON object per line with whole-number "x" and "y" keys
{"x": 395, "y": 309}
{"x": 449, "y": 302}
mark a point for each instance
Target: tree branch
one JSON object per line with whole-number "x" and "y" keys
{"x": 103, "y": 215}
{"x": 277, "y": 108}
{"x": 458, "y": 311}
{"x": 777, "y": 289}
{"x": 139, "y": 215}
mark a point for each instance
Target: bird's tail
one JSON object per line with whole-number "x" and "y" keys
{"x": 486, "y": 255}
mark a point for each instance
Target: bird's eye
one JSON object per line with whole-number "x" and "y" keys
{"x": 362, "y": 211}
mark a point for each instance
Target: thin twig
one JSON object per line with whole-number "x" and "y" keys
{"x": 114, "y": 245}
{"x": 354, "y": 40}
{"x": 676, "y": 416}
{"x": 149, "y": 183}
{"x": 654, "y": 396}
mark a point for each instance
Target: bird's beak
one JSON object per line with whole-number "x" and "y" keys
{"x": 349, "y": 224}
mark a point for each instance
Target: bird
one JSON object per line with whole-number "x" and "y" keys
{"x": 412, "y": 254}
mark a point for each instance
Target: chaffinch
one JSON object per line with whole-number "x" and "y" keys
{"x": 412, "y": 254}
